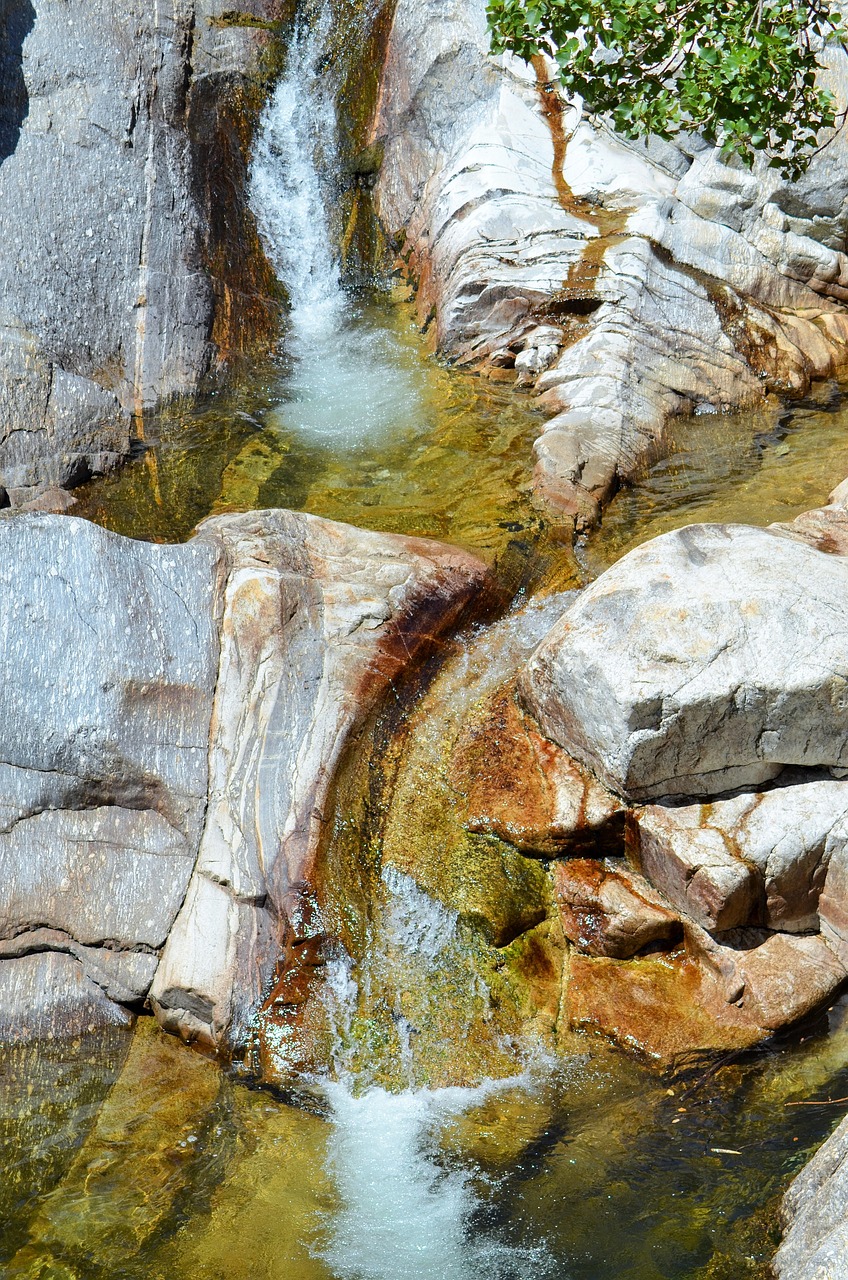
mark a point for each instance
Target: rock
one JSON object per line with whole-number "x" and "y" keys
{"x": 815, "y": 1246}
{"x": 758, "y": 858}
{"x": 727, "y": 994}
{"x": 49, "y": 996}
{"x": 774, "y": 979}
{"x": 517, "y": 212}
{"x": 131, "y": 263}
{"x": 318, "y": 619}
{"x": 693, "y": 864}
{"x": 706, "y": 659}
{"x": 109, "y": 655}
{"x": 609, "y": 910}
{"x": 521, "y": 787}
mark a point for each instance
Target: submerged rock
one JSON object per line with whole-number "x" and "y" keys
{"x": 131, "y": 265}
{"x": 706, "y": 659}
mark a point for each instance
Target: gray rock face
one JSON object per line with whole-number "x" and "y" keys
{"x": 107, "y": 293}
{"x": 815, "y": 1210}
{"x": 673, "y": 280}
{"x": 318, "y": 619}
{"x": 171, "y": 720}
{"x": 706, "y": 659}
{"x": 107, "y": 667}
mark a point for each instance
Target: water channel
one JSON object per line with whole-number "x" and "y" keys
{"x": 130, "y": 1156}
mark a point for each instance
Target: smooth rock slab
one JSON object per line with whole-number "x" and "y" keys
{"x": 318, "y": 619}
{"x": 49, "y": 996}
{"x": 706, "y": 659}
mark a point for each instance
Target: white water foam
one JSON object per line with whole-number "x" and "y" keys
{"x": 351, "y": 381}
{"x": 403, "y": 1215}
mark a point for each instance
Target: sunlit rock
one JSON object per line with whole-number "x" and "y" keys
{"x": 520, "y": 786}
{"x": 815, "y": 1212}
{"x": 758, "y": 858}
{"x": 318, "y": 619}
{"x": 109, "y": 655}
{"x": 706, "y": 659}
{"x": 610, "y": 910}
{"x": 676, "y": 280}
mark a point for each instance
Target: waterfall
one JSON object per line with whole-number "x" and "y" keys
{"x": 296, "y": 151}
{"x": 352, "y": 379}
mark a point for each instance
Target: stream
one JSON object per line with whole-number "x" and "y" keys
{"x": 439, "y": 1141}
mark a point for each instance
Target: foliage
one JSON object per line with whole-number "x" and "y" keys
{"x": 741, "y": 72}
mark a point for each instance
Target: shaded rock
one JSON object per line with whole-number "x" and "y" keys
{"x": 131, "y": 262}
{"x": 523, "y": 788}
{"x": 815, "y": 1211}
{"x": 318, "y": 619}
{"x": 705, "y": 659}
{"x": 754, "y": 859}
{"x": 609, "y": 910}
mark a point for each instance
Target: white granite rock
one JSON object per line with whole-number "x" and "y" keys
{"x": 318, "y": 619}
{"x": 704, "y": 660}
{"x": 759, "y": 858}
{"x": 677, "y": 281}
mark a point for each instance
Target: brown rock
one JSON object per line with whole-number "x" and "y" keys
{"x": 774, "y": 979}
{"x": 611, "y": 911}
{"x": 523, "y": 788}
{"x": 695, "y": 865}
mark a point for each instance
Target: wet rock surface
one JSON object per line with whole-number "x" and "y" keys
{"x": 673, "y": 281}
{"x": 122, "y": 166}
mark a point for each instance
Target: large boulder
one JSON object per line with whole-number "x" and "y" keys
{"x": 107, "y": 673}
{"x": 707, "y": 659}
{"x": 318, "y": 619}
{"x": 171, "y": 721}
{"x": 130, "y": 264}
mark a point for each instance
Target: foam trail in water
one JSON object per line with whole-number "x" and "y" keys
{"x": 402, "y": 1215}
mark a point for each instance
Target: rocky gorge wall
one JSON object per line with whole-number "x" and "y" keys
{"x": 130, "y": 265}
{"x": 622, "y": 283}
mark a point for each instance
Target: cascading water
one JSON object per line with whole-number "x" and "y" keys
{"x": 351, "y": 381}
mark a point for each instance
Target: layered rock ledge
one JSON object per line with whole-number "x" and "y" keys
{"x": 621, "y": 283}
